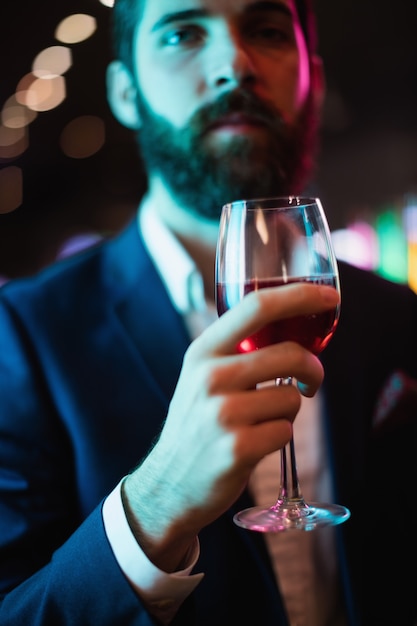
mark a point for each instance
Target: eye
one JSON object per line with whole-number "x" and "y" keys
{"x": 271, "y": 32}
{"x": 182, "y": 36}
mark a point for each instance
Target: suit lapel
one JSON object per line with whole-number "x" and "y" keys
{"x": 141, "y": 305}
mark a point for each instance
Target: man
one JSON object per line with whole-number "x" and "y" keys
{"x": 124, "y": 449}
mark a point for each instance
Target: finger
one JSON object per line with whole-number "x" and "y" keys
{"x": 246, "y": 371}
{"x": 261, "y": 307}
{"x": 259, "y": 405}
{"x": 256, "y": 442}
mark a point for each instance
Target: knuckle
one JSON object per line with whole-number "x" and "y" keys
{"x": 220, "y": 376}
{"x": 214, "y": 377}
{"x": 255, "y": 301}
{"x": 226, "y": 410}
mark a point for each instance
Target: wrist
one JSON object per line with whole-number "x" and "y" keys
{"x": 163, "y": 538}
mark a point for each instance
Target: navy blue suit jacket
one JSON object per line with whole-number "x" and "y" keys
{"x": 90, "y": 352}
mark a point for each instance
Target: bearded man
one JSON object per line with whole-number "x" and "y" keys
{"x": 131, "y": 429}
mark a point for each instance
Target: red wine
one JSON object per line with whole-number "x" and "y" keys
{"x": 311, "y": 331}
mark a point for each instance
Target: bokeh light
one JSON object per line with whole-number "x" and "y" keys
{"x": 83, "y": 137}
{"x": 356, "y": 247}
{"x": 51, "y": 62}
{"x": 16, "y": 115}
{"x": 22, "y": 94}
{"x": 393, "y": 262}
{"x": 11, "y": 189}
{"x": 45, "y": 94}
{"x": 13, "y": 142}
{"x": 410, "y": 225}
{"x": 76, "y": 28}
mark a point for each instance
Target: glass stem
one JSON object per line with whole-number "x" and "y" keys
{"x": 289, "y": 489}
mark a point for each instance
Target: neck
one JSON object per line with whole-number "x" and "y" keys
{"x": 198, "y": 235}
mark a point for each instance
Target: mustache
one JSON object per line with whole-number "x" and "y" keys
{"x": 238, "y": 101}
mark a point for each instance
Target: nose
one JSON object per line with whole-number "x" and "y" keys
{"x": 231, "y": 65}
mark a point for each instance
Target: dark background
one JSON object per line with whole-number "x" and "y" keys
{"x": 368, "y": 157}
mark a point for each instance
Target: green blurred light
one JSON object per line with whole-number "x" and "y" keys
{"x": 392, "y": 244}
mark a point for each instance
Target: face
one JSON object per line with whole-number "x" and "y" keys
{"x": 225, "y": 99}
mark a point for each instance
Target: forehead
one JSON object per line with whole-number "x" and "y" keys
{"x": 156, "y": 10}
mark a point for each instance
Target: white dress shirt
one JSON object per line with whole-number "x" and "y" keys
{"x": 305, "y": 562}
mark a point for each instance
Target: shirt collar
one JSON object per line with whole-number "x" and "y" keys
{"x": 176, "y": 268}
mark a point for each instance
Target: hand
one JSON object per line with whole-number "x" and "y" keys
{"x": 219, "y": 425}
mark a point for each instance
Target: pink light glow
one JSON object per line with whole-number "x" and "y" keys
{"x": 357, "y": 244}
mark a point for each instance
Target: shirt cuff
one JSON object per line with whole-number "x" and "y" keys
{"x": 162, "y": 593}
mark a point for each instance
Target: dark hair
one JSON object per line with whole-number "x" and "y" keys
{"x": 125, "y": 17}
{"x": 127, "y": 14}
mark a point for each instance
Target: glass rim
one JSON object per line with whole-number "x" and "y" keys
{"x": 273, "y": 202}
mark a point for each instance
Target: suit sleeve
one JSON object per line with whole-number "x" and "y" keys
{"x": 56, "y": 564}
{"x": 82, "y": 584}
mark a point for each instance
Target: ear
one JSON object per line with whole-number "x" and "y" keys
{"x": 122, "y": 95}
{"x": 318, "y": 81}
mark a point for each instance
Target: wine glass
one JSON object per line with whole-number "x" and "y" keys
{"x": 272, "y": 242}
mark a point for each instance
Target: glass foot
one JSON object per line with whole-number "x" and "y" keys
{"x": 283, "y": 517}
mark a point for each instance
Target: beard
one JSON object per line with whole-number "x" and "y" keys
{"x": 203, "y": 175}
